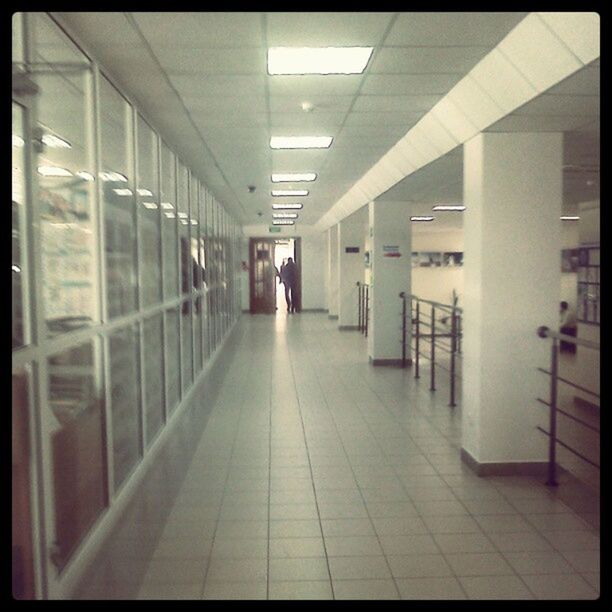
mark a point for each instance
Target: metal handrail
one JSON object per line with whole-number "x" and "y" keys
{"x": 363, "y": 310}
{"x": 435, "y": 332}
{"x": 545, "y": 332}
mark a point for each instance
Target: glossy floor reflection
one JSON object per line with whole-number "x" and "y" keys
{"x": 309, "y": 474}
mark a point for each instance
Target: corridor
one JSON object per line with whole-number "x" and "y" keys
{"x": 307, "y": 473}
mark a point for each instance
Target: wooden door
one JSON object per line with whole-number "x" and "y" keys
{"x": 262, "y": 276}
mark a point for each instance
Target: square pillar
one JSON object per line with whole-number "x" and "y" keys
{"x": 332, "y": 272}
{"x": 390, "y": 259}
{"x": 513, "y": 193}
{"x": 351, "y": 243}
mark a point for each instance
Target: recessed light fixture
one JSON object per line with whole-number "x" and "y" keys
{"x": 53, "y": 171}
{"x": 144, "y": 192}
{"x": 166, "y": 205}
{"x": 570, "y": 218}
{"x": 293, "y": 177}
{"x": 183, "y": 215}
{"x": 277, "y": 193}
{"x": 86, "y": 176}
{"x": 113, "y": 176}
{"x": 421, "y": 218}
{"x": 285, "y": 215}
{"x": 282, "y": 222}
{"x": 194, "y": 222}
{"x": 184, "y": 221}
{"x": 300, "y": 142}
{"x": 295, "y": 206}
{"x": 170, "y": 215}
{"x": 458, "y": 207}
{"x": 123, "y": 192}
{"x": 18, "y": 141}
{"x": 318, "y": 60}
{"x": 150, "y": 205}
{"x": 16, "y": 268}
{"x": 55, "y": 142}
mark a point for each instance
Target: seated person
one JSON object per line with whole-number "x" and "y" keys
{"x": 568, "y": 326}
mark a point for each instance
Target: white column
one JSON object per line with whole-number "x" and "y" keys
{"x": 332, "y": 271}
{"x": 513, "y": 194}
{"x": 390, "y": 272}
{"x": 351, "y": 236}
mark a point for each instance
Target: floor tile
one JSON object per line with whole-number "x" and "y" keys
{"x": 365, "y": 589}
{"x": 430, "y": 588}
{"x": 463, "y": 542}
{"x": 408, "y": 544}
{"x": 175, "y": 571}
{"x": 399, "y": 526}
{"x": 347, "y": 527}
{"x": 451, "y": 524}
{"x": 295, "y": 528}
{"x": 296, "y": 547}
{"x": 348, "y": 546}
{"x": 583, "y": 561}
{"x": 519, "y": 541}
{"x": 538, "y": 563}
{"x": 478, "y": 564}
{"x": 242, "y": 529}
{"x": 298, "y": 568}
{"x": 239, "y": 548}
{"x": 418, "y": 566}
{"x": 560, "y": 586}
{"x": 503, "y": 522}
{"x": 293, "y": 511}
{"x": 234, "y": 590}
{"x": 170, "y": 591}
{"x": 237, "y": 569}
{"x": 302, "y": 589}
{"x": 572, "y": 540}
{"x": 557, "y": 522}
{"x": 358, "y": 567}
{"x": 495, "y": 587}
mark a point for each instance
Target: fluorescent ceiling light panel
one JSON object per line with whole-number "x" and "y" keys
{"x": 150, "y": 205}
{"x": 86, "y": 176}
{"x": 289, "y": 192}
{"x": 421, "y": 218}
{"x": 293, "y": 177}
{"x": 18, "y": 141}
{"x": 183, "y": 215}
{"x": 285, "y": 215}
{"x": 295, "y": 206}
{"x": 53, "y": 171}
{"x": 282, "y": 222}
{"x": 569, "y": 218}
{"x": 300, "y": 142}
{"x": 318, "y": 60}
{"x": 458, "y": 207}
{"x": 170, "y": 215}
{"x": 123, "y": 192}
{"x": 113, "y": 176}
{"x": 144, "y": 192}
{"x": 167, "y": 206}
{"x": 55, "y": 142}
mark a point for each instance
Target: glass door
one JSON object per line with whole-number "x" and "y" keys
{"x": 262, "y": 276}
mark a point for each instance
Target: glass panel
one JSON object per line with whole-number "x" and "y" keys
{"x": 197, "y": 274}
{"x": 17, "y": 37}
{"x": 20, "y": 315}
{"x": 65, "y": 181}
{"x": 22, "y": 542}
{"x": 210, "y": 272}
{"x": 148, "y": 211}
{"x": 205, "y": 272}
{"x": 169, "y": 220}
{"x": 118, "y": 202}
{"x": 183, "y": 227}
{"x": 76, "y": 402}
{"x": 154, "y": 375}
{"x": 125, "y": 400}
{"x": 187, "y": 343}
{"x": 173, "y": 372}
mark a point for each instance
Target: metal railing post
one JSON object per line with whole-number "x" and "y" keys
{"x": 403, "y": 296}
{"x": 433, "y": 349}
{"x": 417, "y": 338}
{"x": 459, "y": 333}
{"x": 359, "y": 305}
{"x": 552, "y": 447}
{"x": 452, "y": 403}
{"x": 367, "y": 309}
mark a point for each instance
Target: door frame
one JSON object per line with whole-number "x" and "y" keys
{"x": 252, "y": 264}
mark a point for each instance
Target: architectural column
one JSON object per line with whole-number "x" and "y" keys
{"x": 351, "y": 242}
{"x": 390, "y": 272}
{"x": 512, "y": 273}
{"x": 332, "y": 272}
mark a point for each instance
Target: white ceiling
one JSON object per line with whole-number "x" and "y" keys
{"x": 201, "y": 78}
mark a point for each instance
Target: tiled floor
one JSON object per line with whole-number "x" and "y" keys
{"x": 317, "y": 476}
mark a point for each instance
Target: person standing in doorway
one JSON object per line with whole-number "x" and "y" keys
{"x": 289, "y": 276}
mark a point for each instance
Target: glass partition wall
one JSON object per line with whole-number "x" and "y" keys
{"x": 122, "y": 291}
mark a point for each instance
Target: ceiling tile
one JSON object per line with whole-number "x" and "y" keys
{"x": 199, "y": 30}
{"x": 324, "y": 103}
{"x": 418, "y": 60}
{"x": 181, "y": 60}
{"x": 391, "y": 84}
{"x": 370, "y": 118}
{"x": 314, "y": 120}
{"x": 326, "y": 29}
{"x": 395, "y": 103}
{"x": 452, "y": 28}
{"x": 228, "y": 106}
{"x": 222, "y": 86}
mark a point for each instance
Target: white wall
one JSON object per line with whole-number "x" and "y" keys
{"x": 351, "y": 266}
{"x": 437, "y": 284}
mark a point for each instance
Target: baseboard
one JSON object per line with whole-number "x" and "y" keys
{"x": 348, "y": 327}
{"x": 313, "y": 310}
{"x": 333, "y": 317}
{"x": 396, "y": 363}
{"x": 507, "y": 468}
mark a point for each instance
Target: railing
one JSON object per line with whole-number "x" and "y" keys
{"x": 363, "y": 307}
{"x": 545, "y": 332}
{"x": 452, "y": 314}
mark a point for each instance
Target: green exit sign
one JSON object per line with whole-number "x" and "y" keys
{"x": 274, "y": 229}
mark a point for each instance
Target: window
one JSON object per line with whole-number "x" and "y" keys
{"x": 169, "y": 221}
{"x": 153, "y": 376}
{"x": 173, "y": 365}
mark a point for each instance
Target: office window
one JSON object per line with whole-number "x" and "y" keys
{"x": 186, "y": 346}
{"x": 118, "y": 202}
{"x": 202, "y": 196}
{"x": 17, "y": 31}
{"x": 173, "y": 365}
{"x": 154, "y": 376}
{"x": 65, "y": 189}
{"x": 183, "y": 229}
{"x": 149, "y": 213}
{"x": 197, "y": 274}
{"x": 125, "y": 400}
{"x": 169, "y": 221}
{"x": 76, "y": 425}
